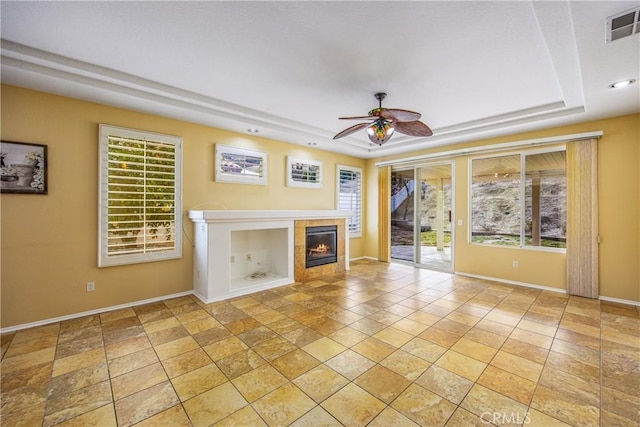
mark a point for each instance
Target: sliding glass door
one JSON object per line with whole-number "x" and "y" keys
{"x": 421, "y": 214}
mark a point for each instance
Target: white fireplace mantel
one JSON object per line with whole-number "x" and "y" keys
{"x": 264, "y": 215}
{"x": 233, "y": 245}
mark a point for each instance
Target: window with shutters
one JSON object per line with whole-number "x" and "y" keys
{"x": 139, "y": 197}
{"x": 349, "y": 191}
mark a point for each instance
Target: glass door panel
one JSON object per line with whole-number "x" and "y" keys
{"x": 434, "y": 216}
{"x": 402, "y": 215}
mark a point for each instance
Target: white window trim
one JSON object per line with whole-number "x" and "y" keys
{"x": 358, "y": 217}
{"x": 104, "y": 260}
{"x": 522, "y": 154}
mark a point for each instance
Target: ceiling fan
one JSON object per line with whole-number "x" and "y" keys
{"x": 385, "y": 121}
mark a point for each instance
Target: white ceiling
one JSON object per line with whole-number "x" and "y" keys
{"x": 290, "y": 69}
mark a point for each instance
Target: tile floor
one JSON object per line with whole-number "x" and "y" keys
{"x": 381, "y": 345}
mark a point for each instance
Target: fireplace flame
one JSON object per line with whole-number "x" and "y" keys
{"x": 320, "y": 249}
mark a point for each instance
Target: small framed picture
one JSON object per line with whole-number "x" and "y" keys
{"x": 304, "y": 173}
{"x": 23, "y": 168}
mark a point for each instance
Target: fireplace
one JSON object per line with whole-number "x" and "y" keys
{"x": 321, "y": 245}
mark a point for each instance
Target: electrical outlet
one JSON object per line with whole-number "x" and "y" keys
{"x": 248, "y": 257}
{"x": 91, "y": 286}
{"x": 516, "y": 264}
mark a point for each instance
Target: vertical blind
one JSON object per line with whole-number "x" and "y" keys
{"x": 140, "y": 199}
{"x": 350, "y": 196}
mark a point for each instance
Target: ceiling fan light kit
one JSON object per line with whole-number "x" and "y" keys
{"x": 386, "y": 121}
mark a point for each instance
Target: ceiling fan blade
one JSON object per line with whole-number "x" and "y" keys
{"x": 352, "y": 129}
{"x": 358, "y": 118}
{"x": 397, "y": 115}
{"x": 414, "y": 128}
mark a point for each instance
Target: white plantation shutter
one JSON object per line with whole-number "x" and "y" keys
{"x": 140, "y": 200}
{"x": 350, "y": 196}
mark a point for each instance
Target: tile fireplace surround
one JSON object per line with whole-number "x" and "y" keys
{"x": 238, "y": 252}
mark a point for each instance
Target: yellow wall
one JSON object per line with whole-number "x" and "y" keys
{"x": 619, "y": 210}
{"x": 49, "y": 242}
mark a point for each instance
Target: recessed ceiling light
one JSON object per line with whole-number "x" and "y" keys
{"x": 622, "y": 83}
{"x": 312, "y": 144}
{"x": 253, "y": 130}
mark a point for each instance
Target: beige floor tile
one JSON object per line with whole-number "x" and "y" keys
{"x": 463, "y": 418}
{"x": 214, "y": 405}
{"x": 273, "y": 348}
{"x": 382, "y": 383}
{"x": 246, "y": 416}
{"x": 423, "y": 407}
{"x": 66, "y": 406}
{"x": 137, "y": 380}
{"x": 320, "y": 382}
{"x": 440, "y": 336}
{"x": 224, "y": 348}
{"x": 538, "y": 328}
{"x": 570, "y": 365}
{"x": 240, "y": 363}
{"x": 571, "y": 385}
{"x": 374, "y": 349}
{"x": 350, "y": 364}
{"x": 390, "y": 417}
{"x": 208, "y": 336}
{"x": 174, "y": 416}
{"x": 126, "y": 347}
{"x": 558, "y": 405}
{"x": 315, "y": 418}
{"x": 29, "y": 376}
{"x": 104, "y": 416}
{"x": 198, "y": 381}
{"x": 159, "y": 325}
{"x": 394, "y": 337}
{"x": 76, "y": 380}
{"x": 255, "y": 384}
{"x": 462, "y": 365}
{"x": 294, "y": 364}
{"x": 186, "y": 362}
{"x": 176, "y": 347}
{"x": 537, "y": 418}
{"x": 424, "y": 349}
{"x": 348, "y": 336}
{"x": 526, "y": 351}
{"x": 78, "y": 361}
{"x": 22, "y": 347}
{"x": 283, "y": 405}
{"x": 445, "y": 384}
{"x": 473, "y": 349}
{"x": 484, "y": 403}
{"x": 36, "y": 333}
{"x": 131, "y": 362}
{"x": 27, "y": 360}
{"x": 324, "y": 349}
{"x": 578, "y": 352}
{"x": 201, "y": 325}
{"x": 508, "y": 384}
{"x": 405, "y": 364}
{"x": 517, "y": 365}
{"x": 352, "y": 406}
{"x": 20, "y": 399}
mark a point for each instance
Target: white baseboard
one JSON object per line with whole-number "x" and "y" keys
{"x": 620, "y": 301}
{"x": 91, "y": 312}
{"x": 513, "y": 282}
{"x": 363, "y": 257}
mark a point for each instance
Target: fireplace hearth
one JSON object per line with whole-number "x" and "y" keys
{"x": 321, "y": 245}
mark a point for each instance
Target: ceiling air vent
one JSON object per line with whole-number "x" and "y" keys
{"x": 623, "y": 24}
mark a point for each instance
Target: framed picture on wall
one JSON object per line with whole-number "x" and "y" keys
{"x": 240, "y": 165}
{"x": 304, "y": 173}
{"x": 23, "y": 168}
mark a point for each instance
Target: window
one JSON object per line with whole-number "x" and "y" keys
{"x": 140, "y": 197}
{"x": 349, "y": 197}
{"x": 520, "y": 199}
{"x": 240, "y": 165}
